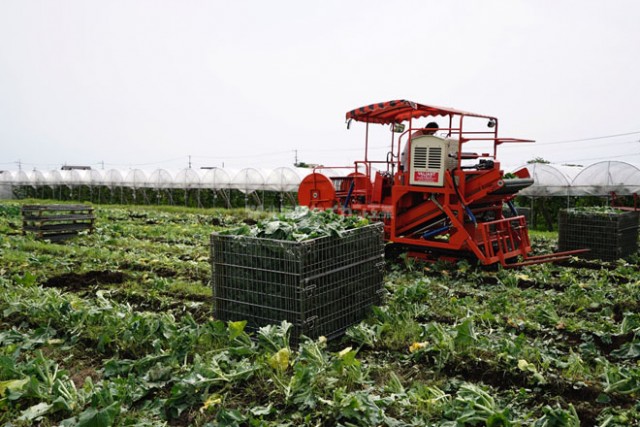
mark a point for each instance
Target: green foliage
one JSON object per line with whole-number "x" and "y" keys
{"x": 538, "y": 160}
{"x": 557, "y": 416}
{"x": 595, "y": 211}
{"x": 476, "y": 406}
{"x": 10, "y": 211}
{"x": 453, "y": 344}
{"x": 301, "y": 224}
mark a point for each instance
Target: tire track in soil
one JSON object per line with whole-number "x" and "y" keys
{"x": 80, "y": 283}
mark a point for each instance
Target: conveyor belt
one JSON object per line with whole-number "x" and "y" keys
{"x": 512, "y": 186}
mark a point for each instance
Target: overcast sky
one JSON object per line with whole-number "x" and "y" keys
{"x": 152, "y": 84}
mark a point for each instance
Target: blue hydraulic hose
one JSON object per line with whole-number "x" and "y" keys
{"x": 436, "y": 232}
{"x": 464, "y": 205}
{"x": 346, "y": 201}
{"x": 471, "y": 215}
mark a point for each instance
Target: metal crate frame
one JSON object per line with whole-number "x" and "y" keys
{"x": 608, "y": 236}
{"x": 322, "y": 286}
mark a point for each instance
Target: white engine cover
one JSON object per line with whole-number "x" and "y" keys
{"x": 431, "y": 157}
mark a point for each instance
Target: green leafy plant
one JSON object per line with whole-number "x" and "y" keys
{"x": 450, "y": 345}
{"x": 301, "y": 224}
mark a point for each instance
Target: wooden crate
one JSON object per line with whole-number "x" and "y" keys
{"x": 57, "y": 222}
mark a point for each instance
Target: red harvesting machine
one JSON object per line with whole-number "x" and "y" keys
{"x": 436, "y": 200}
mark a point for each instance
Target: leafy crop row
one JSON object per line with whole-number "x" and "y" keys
{"x": 115, "y": 328}
{"x": 301, "y": 224}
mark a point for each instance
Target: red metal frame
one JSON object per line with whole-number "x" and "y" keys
{"x": 462, "y": 218}
{"x": 615, "y": 203}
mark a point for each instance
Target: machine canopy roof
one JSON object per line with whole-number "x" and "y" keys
{"x": 401, "y": 110}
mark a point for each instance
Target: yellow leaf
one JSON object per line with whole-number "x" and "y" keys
{"x": 417, "y": 346}
{"x": 280, "y": 360}
{"x": 211, "y": 402}
{"x": 344, "y": 352}
{"x": 12, "y": 384}
{"x": 523, "y": 365}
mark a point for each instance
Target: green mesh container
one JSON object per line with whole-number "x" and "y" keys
{"x": 321, "y": 286}
{"x": 609, "y": 234}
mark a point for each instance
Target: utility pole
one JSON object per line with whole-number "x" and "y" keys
{"x": 295, "y": 163}
{"x": 189, "y": 161}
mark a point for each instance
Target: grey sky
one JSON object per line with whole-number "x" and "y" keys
{"x": 148, "y": 83}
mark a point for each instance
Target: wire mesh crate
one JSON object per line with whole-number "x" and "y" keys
{"x": 526, "y": 212}
{"x": 322, "y": 286}
{"x": 610, "y": 234}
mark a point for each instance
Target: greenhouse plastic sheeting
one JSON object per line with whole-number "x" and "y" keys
{"x": 248, "y": 180}
{"x": 6, "y": 182}
{"x": 283, "y": 179}
{"x": 112, "y": 178}
{"x": 20, "y": 178}
{"x": 71, "y": 178}
{"x": 5, "y": 190}
{"x": 603, "y": 178}
{"x": 37, "y": 179}
{"x": 598, "y": 179}
{"x": 160, "y": 179}
{"x": 549, "y": 179}
{"x": 186, "y": 178}
{"x": 91, "y": 177}
{"x": 216, "y": 179}
{"x": 6, "y": 177}
{"x": 135, "y": 178}
{"x": 54, "y": 178}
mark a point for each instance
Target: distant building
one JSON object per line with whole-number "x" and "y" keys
{"x": 79, "y": 168}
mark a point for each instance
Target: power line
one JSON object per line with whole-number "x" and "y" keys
{"x": 608, "y": 144}
{"x": 319, "y": 150}
{"x": 589, "y": 139}
{"x": 143, "y": 164}
{"x": 605, "y": 158}
{"x": 246, "y": 156}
